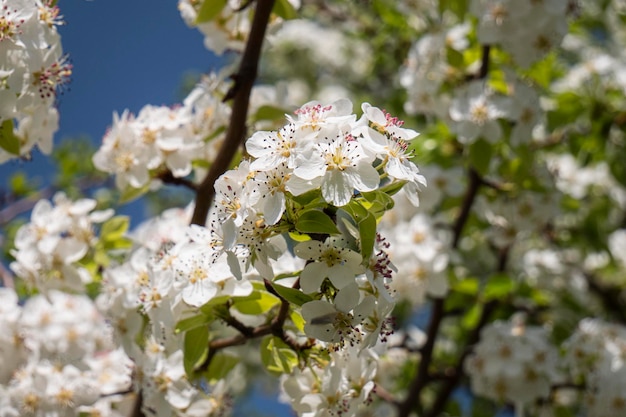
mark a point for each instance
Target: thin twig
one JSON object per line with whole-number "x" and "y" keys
{"x": 7, "y": 278}
{"x": 168, "y": 178}
{"x": 240, "y": 92}
{"x": 384, "y": 394}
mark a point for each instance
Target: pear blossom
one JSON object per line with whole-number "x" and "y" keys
{"x": 315, "y": 117}
{"x": 475, "y": 111}
{"x": 337, "y": 322}
{"x": 330, "y": 259}
{"x": 339, "y": 166}
{"x": 271, "y": 149}
{"x": 384, "y": 136}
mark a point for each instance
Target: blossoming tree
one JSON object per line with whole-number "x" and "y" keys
{"x": 315, "y": 250}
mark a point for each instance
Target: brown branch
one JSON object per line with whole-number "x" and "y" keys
{"x": 470, "y": 195}
{"x": 274, "y": 327}
{"x": 484, "y": 63}
{"x": 136, "y": 412}
{"x": 240, "y": 92}
{"x": 610, "y": 297}
{"x": 168, "y": 178}
{"x": 421, "y": 379}
{"x": 454, "y": 376}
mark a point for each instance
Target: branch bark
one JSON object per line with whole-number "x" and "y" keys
{"x": 240, "y": 93}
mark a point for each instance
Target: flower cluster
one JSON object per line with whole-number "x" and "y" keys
{"x": 327, "y": 157}
{"x": 58, "y": 358}
{"x": 339, "y": 387}
{"x": 33, "y": 70}
{"x": 541, "y": 25}
{"x": 163, "y": 140}
{"x": 513, "y": 362}
{"x": 595, "y": 355}
{"x": 60, "y": 234}
{"x": 169, "y": 271}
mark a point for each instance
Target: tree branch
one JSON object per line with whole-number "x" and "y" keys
{"x": 274, "y": 327}
{"x": 421, "y": 379}
{"x": 470, "y": 195}
{"x": 610, "y": 297}
{"x": 240, "y": 92}
{"x": 168, "y": 178}
{"x": 455, "y": 375}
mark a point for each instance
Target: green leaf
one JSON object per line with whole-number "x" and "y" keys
{"x": 297, "y": 320}
{"x": 366, "y": 222}
{"x": 454, "y": 58}
{"x": 195, "y": 349}
{"x": 356, "y": 211}
{"x": 379, "y": 202}
{"x": 262, "y": 303}
{"x": 309, "y": 197}
{"x": 467, "y": 286}
{"x": 299, "y": 237}
{"x": 277, "y": 356}
{"x": 269, "y": 113}
{"x": 209, "y": 306}
{"x": 470, "y": 319}
{"x": 292, "y": 295}
{"x": 192, "y": 322}
{"x": 316, "y": 221}
{"x": 8, "y": 141}
{"x": 480, "y": 153}
{"x": 392, "y": 188}
{"x": 284, "y": 9}
{"x": 20, "y": 184}
{"x": 367, "y": 234}
{"x": 458, "y": 7}
{"x": 209, "y": 10}
{"x": 121, "y": 243}
{"x": 498, "y": 286}
{"x": 114, "y": 228}
{"x": 221, "y": 364}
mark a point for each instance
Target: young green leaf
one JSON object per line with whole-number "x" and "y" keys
{"x": 221, "y": 364}
{"x": 195, "y": 349}
{"x": 259, "y": 305}
{"x": 284, "y": 9}
{"x": 8, "y": 141}
{"x": 114, "y": 228}
{"x": 192, "y": 322}
{"x": 277, "y": 356}
{"x": 209, "y": 10}
{"x": 316, "y": 221}
{"x": 292, "y": 295}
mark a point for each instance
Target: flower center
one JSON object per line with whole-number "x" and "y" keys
{"x": 479, "y": 113}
